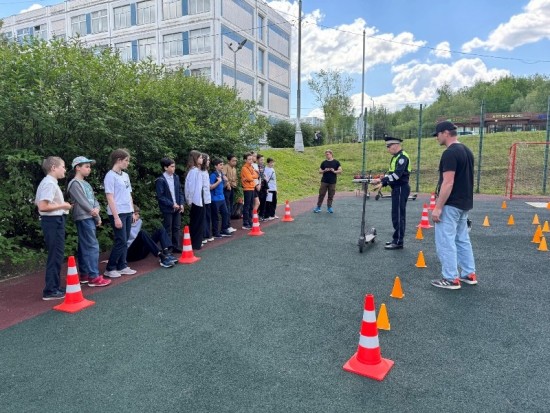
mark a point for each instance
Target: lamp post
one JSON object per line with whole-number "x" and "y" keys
{"x": 238, "y": 47}
{"x": 372, "y": 123}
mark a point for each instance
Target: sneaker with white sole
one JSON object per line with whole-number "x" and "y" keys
{"x": 447, "y": 284}
{"x": 127, "y": 271}
{"x": 165, "y": 262}
{"x": 112, "y": 274}
{"x": 231, "y": 229}
{"x": 211, "y": 239}
{"x": 469, "y": 279}
{"x": 99, "y": 281}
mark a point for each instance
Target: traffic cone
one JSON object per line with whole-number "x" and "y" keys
{"x": 511, "y": 220}
{"x": 504, "y": 206}
{"x": 545, "y": 227}
{"x": 256, "y": 231}
{"x": 74, "y": 300}
{"x": 537, "y": 235}
{"x": 368, "y": 361}
{"x": 535, "y": 220}
{"x": 187, "y": 254}
{"x": 542, "y": 245}
{"x": 548, "y": 205}
{"x": 420, "y": 263}
{"x": 383, "y": 322}
{"x": 486, "y": 221}
{"x": 287, "y": 217}
{"x": 432, "y": 202}
{"x": 424, "y": 221}
{"x": 397, "y": 291}
{"x": 419, "y": 233}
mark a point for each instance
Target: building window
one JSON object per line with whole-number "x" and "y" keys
{"x": 261, "y": 94}
{"x": 7, "y": 35}
{"x": 173, "y": 45}
{"x": 22, "y": 34}
{"x": 122, "y": 17}
{"x": 260, "y": 28}
{"x": 124, "y": 50}
{"x": 146, "y": 12}
{"x": 99, "y": 21}
{"x": 41, "y": 32}
{"x": 204, "y": 72}
{"x": 199, "y": 41}
{"x": 147, "y": 48}
{"x": 199, "y": 6}
{"x": 261, "y": 60}
{"x": 171, "y": 9}
{"x": 78, "y": 25}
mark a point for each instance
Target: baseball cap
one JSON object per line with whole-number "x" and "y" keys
{"x": 443, "y": 126}
{"x": 81, "y": 159}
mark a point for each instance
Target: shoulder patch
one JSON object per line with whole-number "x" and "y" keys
{"x": 401, "y": 161}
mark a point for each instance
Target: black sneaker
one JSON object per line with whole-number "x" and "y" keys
{"x": 448, "y": 284}
{"x": 225, "y": 234}
{"x": 57, "y": 295}
{"x": 165, "y": 262}
{"x": 469, "y": 279}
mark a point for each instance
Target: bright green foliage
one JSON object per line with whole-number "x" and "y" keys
{"x": 63, "y": 99}
{"x": 282, "y": 134}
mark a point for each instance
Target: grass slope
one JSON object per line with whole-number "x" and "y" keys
{"x": 297, "y": 175}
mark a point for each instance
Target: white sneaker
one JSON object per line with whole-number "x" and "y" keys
{"x": 112, "y": 274}
{"x": 127, "y": 271}
{"x": 211, "y": 239}
{"x": 275, "y": 217}
{"x": 204, "y": 241}
{"x": 231, "y": 229}
{"x": 271, "y": 218}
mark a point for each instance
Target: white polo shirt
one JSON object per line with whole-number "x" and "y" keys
{"x": 49, "y": 190}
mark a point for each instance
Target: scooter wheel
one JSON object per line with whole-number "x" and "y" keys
{"x": 377, "y": 197}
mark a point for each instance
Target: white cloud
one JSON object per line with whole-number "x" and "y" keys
{"x": 530, "y": 26}
{"x": 31, "y": 8}
{"x": 341, "y": 47}
{"x": 442, "y": 50}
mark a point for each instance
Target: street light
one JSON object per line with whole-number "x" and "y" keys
{"x": 239, "y": 46}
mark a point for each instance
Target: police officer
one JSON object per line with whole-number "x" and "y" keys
{"x": 398, "y": 179}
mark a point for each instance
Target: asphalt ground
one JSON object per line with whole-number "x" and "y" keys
{"x": 265, "y": 324}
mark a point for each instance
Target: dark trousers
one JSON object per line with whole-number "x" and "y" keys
{"x": 219, "y": 208}
{"x": 145, "y": 244}
{"x": 271, "y": 206}
{"x": 207, "y": 221}
{"x": 117, "y": 259}
{"x": 247, "y": 208}
{"x": 196, "y": 226}
{"x": 229, "y": 195}
{"x": 331, "y": 188}
{"x": 171, "y": 221}
{"x": 53, "y": 228}
{"x": 399, "y": 196}
{"x": 261, "y": 209}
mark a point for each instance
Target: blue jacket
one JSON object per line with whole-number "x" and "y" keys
{"x": 164, "y": 197}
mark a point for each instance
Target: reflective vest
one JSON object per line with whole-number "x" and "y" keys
{"x": 394, "y": 161}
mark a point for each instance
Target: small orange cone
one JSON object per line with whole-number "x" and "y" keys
{"x": 545, "y": 227}
{"x": 424, "y": 221}
{"x": 432, "y": 202}
{"x": 187, "y": 255}
{"x": 397, "y": 291}
{"x": 368, "y": 361}
{"x": 504, "y": 205}
{"x": 535, "y": 220}
{"x": 537, "y": 235}
{"x": 511, "y": 220}
{"x": 542, "y": 245}
{"x": 383, "y": 322}
{"x": 420, "y": 263}
{"x": 255, "y": 231}
{"x": 74, "y": 300}
{"x": 486, "y": 221}
{"x": 419, "y": 233}
{"x": 548, "y": 205}
{"x": 287, "y": 217}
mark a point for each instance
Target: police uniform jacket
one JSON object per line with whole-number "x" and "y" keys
{"x": 400, "y": 169}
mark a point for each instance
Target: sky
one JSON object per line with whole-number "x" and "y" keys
{"x": 413, "y": 47}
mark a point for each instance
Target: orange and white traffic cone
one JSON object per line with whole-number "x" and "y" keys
{"x": 74, "y": 300}
{"x": 287, "y": 217}
{"x": 255, "y": 231}
{"x": 424, "y": 221}
{"x": 368, "y": 361}
{"x": 432, "y": 202}
{"x": 187, "y": 254}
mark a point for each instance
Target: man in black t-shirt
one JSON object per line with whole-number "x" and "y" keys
{"x": 455, "y": 197}
{"x": 330, "y": 168}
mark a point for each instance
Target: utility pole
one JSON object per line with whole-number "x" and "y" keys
{"x": 364, "y": 137}
{"x": 298, "y": 138}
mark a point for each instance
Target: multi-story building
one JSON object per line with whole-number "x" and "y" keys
{"x": 232, "y": 42}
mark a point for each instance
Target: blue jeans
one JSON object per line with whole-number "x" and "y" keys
{"x": 87, "y": 253}
{"x": 453, "y": 245}
{"x": 117, "y": 259}
{"x": 53, "y": 228}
